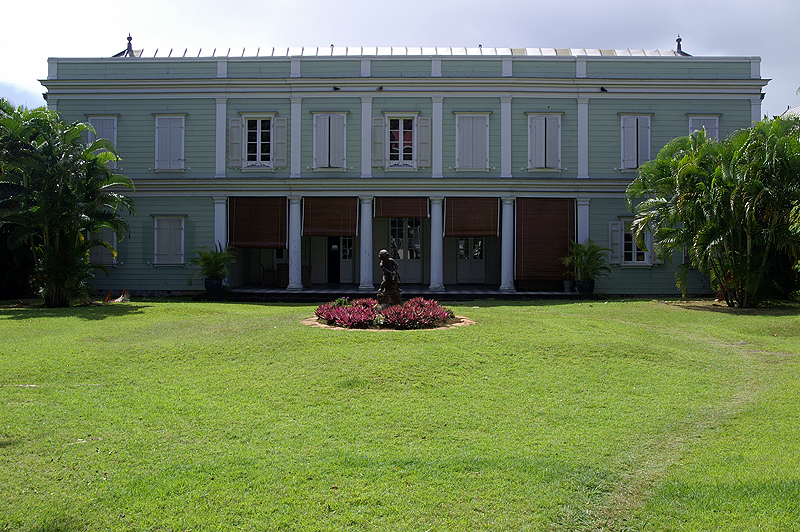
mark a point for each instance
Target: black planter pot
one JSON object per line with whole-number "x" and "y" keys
{"x": 213, "y": 285}
{"x": 585, "y": 286}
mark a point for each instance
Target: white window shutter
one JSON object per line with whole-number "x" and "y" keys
{"x": 321, "y": 140}
{"x": 629, "y": 135}
{"x": 378, "y": 149}
{"x": 615, "y": 230}
{"x": 279, "y": 142}
{"x": 483, "y": 138}
{"x": 162, "y": 142}
{"x": 176, "y": 240}
{"x": 553, "y": 145}
{"x": 423, "y": 141}
{"x": 235, "y": 142}
{"x": 337, "y": 140}
{"x": 644, "y": 139}
{"x": 537, "y": 126}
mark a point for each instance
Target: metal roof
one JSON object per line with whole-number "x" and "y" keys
{"x": 410, "y": 51}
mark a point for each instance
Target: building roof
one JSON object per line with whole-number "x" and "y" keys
{"x": 407, "y": 51}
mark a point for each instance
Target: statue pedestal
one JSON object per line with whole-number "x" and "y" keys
{"x": 388, "y": 299}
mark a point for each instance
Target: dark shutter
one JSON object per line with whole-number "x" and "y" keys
{"x": 471, "y": 217}
{"x": 330, "y": 216}
{"x": 545, "y": 227}
{"x": 257, "y": 222}
{"x": 401, "y": 207}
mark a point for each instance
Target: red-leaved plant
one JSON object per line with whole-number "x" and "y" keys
{"x": 417, "y": 313}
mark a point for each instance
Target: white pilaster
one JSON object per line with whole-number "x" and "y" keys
{"x": 296, "y": 138}
{"x": 366, "y": 136}
{"x": 505, "y": 136}
{"x": 583, "y": 220}
{"x": 366, "y": 244}
{"x": 583, "y": 137}
{"x": 436, "y": 134}
{"x": 220, "y": 132}
{"x": 221, "y": 221}
{"x": 295, "y": 251}
{"x": 755, "y": 109}
{"x": 507, "y": 247}
{"x": 365, "y": 68}
{"x": 437, "y": 245}
{"x": 222, "y": 67}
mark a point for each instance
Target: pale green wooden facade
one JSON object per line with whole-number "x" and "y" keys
{"x": 457, "y": 103}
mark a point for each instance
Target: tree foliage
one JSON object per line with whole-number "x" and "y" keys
{"x": 56, "y": 194}
{"x": 732, "y": 206}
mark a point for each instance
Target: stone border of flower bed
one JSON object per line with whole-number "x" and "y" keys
{"x": 457, "y": 321}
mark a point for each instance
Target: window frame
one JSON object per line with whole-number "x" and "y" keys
{"x": 317, "y": 140}
{"x": 92, "y": 136}
{"x": 179, "y": 164}
{"x": 714, "y": 117}
{"x": 639, "y": 132}
{"x": 258, "y": 165}
{"x": 534, "y": 146}
{"x": 388, "y": 117}
{"x": 169, "y": 252}
{"x": 458, "y": 139}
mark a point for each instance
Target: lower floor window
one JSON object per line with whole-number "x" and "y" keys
{"x": 168, "y": 242}
{"x": 406, "y": 238}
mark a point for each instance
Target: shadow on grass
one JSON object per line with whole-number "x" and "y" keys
{"x": 781, "y": 308}
{"x": 58, "y": 524}
{"x": 88, "y": 313}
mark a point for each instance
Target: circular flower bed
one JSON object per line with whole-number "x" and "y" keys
{"x": 417, "y": 313}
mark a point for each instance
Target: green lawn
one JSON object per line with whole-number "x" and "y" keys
{"x": 610, "y": 416}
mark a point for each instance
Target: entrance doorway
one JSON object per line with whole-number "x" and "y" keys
{"x": 471, "y": 268}
{"x": 340, "y": 259}
{"x": 405, "y": 237}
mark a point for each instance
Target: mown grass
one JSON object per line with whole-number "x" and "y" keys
{"x": 541, "y": 416}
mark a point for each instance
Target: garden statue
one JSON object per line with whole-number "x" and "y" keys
{"x": 389, "y": 292}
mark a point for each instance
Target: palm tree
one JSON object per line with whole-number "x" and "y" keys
{"x": 57, "y": 192}
{"x": 730, "y": 205}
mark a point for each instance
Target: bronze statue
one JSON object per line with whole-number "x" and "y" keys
{"x": 389, "y": 292}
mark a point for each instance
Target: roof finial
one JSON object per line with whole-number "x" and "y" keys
{"x": 679, "y": 51}
{"x": 128, "y": 51}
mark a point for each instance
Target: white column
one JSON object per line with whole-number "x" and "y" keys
{"x": 220, "y": 221}
{"x": 583, "y": 137}
{"x": 296, "y": 137}
{"x": 437, "y": 246}
{"x": 507, "y": 250}
{"x": 583, "y": 219}
{"x": 436, "y": 133}
{"x": 366, "y": 244}
{"x": 295, "y": 251}
{"x": 220, "y": 131}
{"x": 505, "y": 136}
{"x": 366, "y": 136}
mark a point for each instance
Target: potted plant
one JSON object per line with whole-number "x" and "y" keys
{"x": 213, "y": 265}
{"x": 587, "y": 262}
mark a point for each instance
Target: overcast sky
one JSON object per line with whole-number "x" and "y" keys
{"x": 92, "y": 28}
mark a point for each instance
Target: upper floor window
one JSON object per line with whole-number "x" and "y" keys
{"x": 709, "y": 122}
{"x": 401, "y": 141}
{"x": 105, "y": 127}
{"x": 330, "y": 140}
{"x": 544, "y": 141}
{"x": 169, "y": 142}
{"x": 257, "y": 141}
{"x": 472, "y": 141}
{"x": 635, "y": 141}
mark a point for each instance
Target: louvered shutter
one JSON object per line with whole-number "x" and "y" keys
{"x": 423, "y": 142}
{"x": 643, "y": 132}
{"x": 537, "y": 126}
{"x": 279, "y": 142}
{"x": 337, "y": 141}
{"x": 235, "y": 142}
{"x": 552, "y": 144}
{"x": 480, "y": 157}
{"x": 629, "y": 139}
{"x": 615, "y": 230}
{"x": 321, "y": 140}
{"x": 378, "y": 149}
{"x": 105, "y": 128}
{"x": 169, "y": 241}
{"x": 169, "y": 143}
